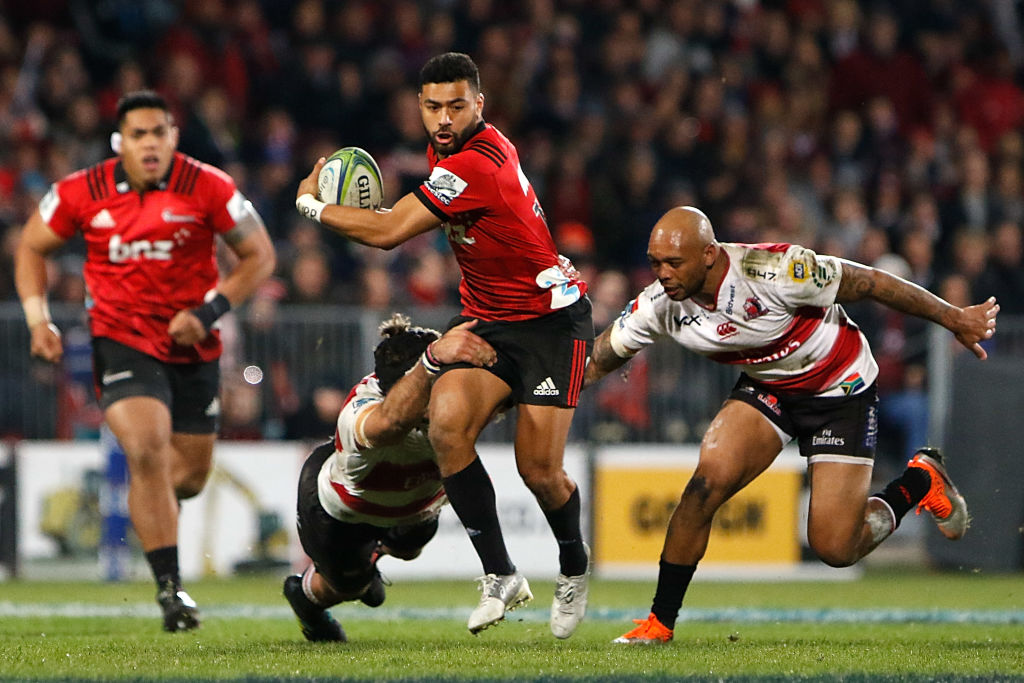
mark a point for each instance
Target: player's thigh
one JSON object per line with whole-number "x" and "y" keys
{"x": 409, "y": 539}
{"x": 192, "y": 460}
{"x": 839, "y": 492}
{"x": 194, "y": 448}
{"x": 141, "y": 424}
{"x": 463, "y": 400}
{"x": 740, "y": 444}
{"x": 134, "y": 391}
{"x": 541, "y": 433}
{"x": 339, "y": 550}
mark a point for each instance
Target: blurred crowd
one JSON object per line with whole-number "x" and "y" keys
{"x": 889, "y": 133}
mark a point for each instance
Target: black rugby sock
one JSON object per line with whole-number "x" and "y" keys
{"x": 164, "y": 563}
{"x": 472, "y": 497}
{"x": 565, "y": 524}
{"x": 673, "y": 580}
{"x": 905, "y": 491}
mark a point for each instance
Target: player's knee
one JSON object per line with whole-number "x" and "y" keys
{"x": 550, "y": 485}
{"x": 352, "y": 582}
{"x": 708, "y": 489}
{"x": 191, "y": 484}
{"x": 452, "y": 444}
{"x": 832, "y": 551}
{"x": 404, "y": 553}
{"x": 145, "y": 453}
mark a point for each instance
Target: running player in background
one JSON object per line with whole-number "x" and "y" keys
{"x": 376, "y": 489}
{"x": 149, "y": 218}
{"x": 533, "y": 310}
{"x": 774, "y": 310}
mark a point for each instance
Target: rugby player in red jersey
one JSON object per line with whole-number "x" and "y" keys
{"x": 774, "y": 311}
{"x": 533, "y": 310}
{"x": 149, "y": 217}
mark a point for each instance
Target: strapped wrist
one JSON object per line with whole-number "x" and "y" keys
{"x": 310, "y": 207}
{"x": 213, "y": 309}
{"x": 36, "y": 310}
{"x": 429, "y": 363}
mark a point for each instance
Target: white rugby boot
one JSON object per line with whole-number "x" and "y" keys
{"x": 499, "y": 594}
{"x": 570, "y": 603}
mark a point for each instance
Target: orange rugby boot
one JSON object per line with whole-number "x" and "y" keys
{"x": 943, "y": 501}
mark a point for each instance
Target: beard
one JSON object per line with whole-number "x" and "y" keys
{"x": 446, "y": 149}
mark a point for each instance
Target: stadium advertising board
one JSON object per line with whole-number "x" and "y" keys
{"x": 636, "y": 490}
{"x": 243, "y": 520}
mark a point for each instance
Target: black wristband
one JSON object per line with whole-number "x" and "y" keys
{"x": 211, "y": 310}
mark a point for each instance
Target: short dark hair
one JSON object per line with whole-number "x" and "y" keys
{"x": 400, "y": 349}
{"x": 140, "y": 99}
{"x": 450, "y": 67}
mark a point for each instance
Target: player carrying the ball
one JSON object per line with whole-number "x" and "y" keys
{"x": 532, "y": 308}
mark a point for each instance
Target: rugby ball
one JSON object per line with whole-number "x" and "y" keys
{"x": 351, "y": 178}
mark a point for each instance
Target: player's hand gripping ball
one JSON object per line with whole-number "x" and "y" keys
{"x": 351, "y": 178}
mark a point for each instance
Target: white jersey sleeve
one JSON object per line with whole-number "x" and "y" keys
{"x": 805, "y": 278}
{"x": 641, "y": 323}
{"x": 366, "y": 394}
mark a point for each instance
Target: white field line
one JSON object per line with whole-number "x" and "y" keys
{"x": 358, "y": 612}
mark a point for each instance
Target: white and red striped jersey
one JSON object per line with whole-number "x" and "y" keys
{"x": 774, "y": 316}
{"x": 385, "y": 485}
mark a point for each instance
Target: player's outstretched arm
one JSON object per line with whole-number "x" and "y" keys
{"x": 970, "y": 325}
{"x": 603, "y": 358}
{"x": 383, "y": 228}
{"x": 405, "y": 404}
{"x": 37, "y": 241}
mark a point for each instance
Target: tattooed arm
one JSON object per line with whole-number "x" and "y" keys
{"x": 970, "y": 325}
{"x": 603, "y": 358}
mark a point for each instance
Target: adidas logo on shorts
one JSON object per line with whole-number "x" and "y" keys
{"x": 546, "y": 388}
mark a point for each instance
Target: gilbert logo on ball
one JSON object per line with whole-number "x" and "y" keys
{"x": 351, "y": 178}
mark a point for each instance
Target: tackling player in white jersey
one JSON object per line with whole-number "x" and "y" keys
{"x": 807, "y": 373}
{"x": 376, "y": 489}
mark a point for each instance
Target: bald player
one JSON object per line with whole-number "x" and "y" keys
{"x": 774, "y": 310}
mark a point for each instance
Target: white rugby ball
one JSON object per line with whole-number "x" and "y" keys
{"x": 351, "y": 178}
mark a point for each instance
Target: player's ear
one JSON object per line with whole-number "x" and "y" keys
{"x": 710, "y": 255}
{"x": 115, "y": 142}
{"x": 479, "y": 103}
{"x": 175, "y": 134}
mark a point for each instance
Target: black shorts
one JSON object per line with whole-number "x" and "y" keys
{"x": 828, "y": 429}
{"x": 190, "y": 390}
{"x": 541, "y": 359}
{"x": 341, "y": 551}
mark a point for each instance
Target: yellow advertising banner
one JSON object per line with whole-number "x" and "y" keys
{"x": 634, "y": 496}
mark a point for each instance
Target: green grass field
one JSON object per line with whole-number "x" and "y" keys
{"x": 886, "y": 626}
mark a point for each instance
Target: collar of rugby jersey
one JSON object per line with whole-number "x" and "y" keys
{"x": 122, "y": 185}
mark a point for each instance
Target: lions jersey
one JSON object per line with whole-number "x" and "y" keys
{"x": 379, "y": 485}
{"x": 774, "y": 316}
{"x": 511, "y": 269}
{"x": 149, "y": 255}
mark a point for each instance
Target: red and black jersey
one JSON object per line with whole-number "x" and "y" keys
{"x": 149, "y": 255}
{"x": 510, "y": 266}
